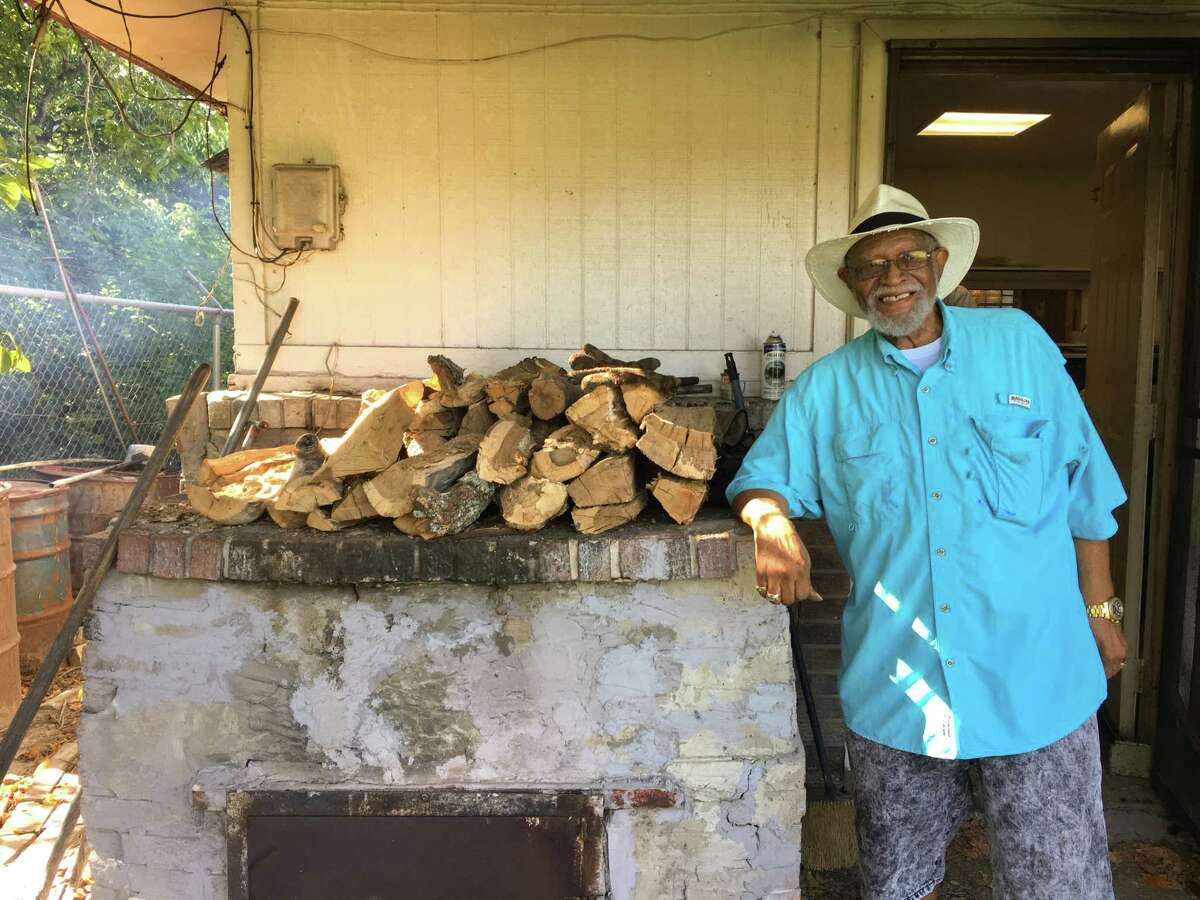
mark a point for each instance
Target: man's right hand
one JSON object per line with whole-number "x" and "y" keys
{"x": 782, "y": 564}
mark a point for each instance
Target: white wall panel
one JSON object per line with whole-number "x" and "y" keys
{"x": 652, "y": 196}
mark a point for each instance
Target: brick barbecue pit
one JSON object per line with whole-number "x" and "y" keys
{"x": 637, "y": 668}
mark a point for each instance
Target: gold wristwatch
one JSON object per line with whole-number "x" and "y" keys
{"x": 1112, "y": 609}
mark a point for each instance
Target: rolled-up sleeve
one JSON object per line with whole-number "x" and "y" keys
{"x": 783, "y": 460}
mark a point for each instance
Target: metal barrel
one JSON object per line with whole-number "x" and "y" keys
{"x": 41, "y": 549}
{"x": 10, "y": 639}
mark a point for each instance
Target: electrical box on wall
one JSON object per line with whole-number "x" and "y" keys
{"x": 306, "y": 206}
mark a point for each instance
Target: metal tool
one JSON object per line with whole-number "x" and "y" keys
{"x": 108, "y": 554}
{"x": 242, "y": 422}
{"x": 136, "y": 455}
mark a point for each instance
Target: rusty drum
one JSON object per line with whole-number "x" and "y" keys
{"x": 10, "y": 669}
{"x": 41, "y": 545}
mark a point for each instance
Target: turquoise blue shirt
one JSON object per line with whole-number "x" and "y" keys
{"x": 953, "y": 497}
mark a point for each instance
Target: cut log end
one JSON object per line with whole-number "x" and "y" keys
{"x": 681, "y": 498}
{"x": 531, "y": 502}
{"x": 504, "y": 453}
{"x": 598, "y": 519}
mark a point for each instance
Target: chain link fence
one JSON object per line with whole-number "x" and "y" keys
{"x": 57, "y": 411}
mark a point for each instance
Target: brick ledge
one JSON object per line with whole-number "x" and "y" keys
{"x": 377, "y": 554}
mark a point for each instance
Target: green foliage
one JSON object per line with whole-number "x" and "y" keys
{"x": 11, "y": 357}
{"x": 133, "y": 217}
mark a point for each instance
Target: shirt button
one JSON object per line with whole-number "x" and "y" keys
{"x": 949, "y": 664}
{"x": 941, "y": 551}
{"x": 937, "y": 495}
{"x": 945, "y": 607}
{"x": 932, "y": 440}
{"x": 925, "y": 389}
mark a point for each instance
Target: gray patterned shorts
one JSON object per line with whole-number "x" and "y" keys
{"x": 1043, "y": 811}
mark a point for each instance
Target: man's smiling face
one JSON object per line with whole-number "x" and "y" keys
{"x": 895, "y": 288}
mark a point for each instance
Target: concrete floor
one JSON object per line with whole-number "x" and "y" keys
{"x": 1154, "y": 855}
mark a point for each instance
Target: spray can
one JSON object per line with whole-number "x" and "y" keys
{"x": 774, "y": 367}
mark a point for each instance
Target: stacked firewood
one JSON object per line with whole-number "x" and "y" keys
{"x": 598, "y": 439}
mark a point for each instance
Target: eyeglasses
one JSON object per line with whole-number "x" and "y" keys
{"x": 905, "y": 262}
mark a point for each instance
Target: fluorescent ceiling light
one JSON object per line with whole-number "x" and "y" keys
{"x": 977, "y": 124}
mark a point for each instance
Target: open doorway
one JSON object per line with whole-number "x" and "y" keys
{"x": 1085, "y": 220}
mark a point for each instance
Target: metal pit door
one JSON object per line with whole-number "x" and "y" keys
{"x": 1121, "y": 319}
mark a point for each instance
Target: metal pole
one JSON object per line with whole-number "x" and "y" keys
{"x": 87, "y": 351}
{"x": 108, "y": 553}
{"x": 237, "y": 432}
{"x": 14, "y": 290}
{"x": 216, "y": 363}
{"x": 81, "y": 316}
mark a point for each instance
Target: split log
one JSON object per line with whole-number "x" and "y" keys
{"x": 478, "y": 419}
{"x": 375, "y": 439}
{"x": 680, "y": 440}
{"x": 592, "y": 357}
{"x": 458, "y": 389}
{"x": 504, "y": 453}
{"x": 448, "y": 512}
{"x": 601, "y": 412}
{"x": 391, "y": 492}
{"x": 551, "y": 394}
{"x": 512, "y": 384}
{"x": 304, "y": 492}
{"x": 433, "y": 415}
{"x": 412, "y": 526}
{"x": 607, "y": 482}
{"x": 418, "y": 442}
{"x": 354, "y": 508}
{"x": 530, "y": 503}
{"x": 598, "y": 519}
{"x": 285, "y": 518}
{"x": 213, "y": 471}
{"x": 680, "y": 497}
{"x": 641, "y": 391}
{"x": 565, "y": 454}
{"x": 320, "y": 520}
{"x": 227, "y": 510}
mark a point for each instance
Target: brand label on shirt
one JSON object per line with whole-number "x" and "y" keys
{"x": 1018, "y": 400}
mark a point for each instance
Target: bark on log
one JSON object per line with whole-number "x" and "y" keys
{"x": 609, "y": 481}
{"x": 458, "y": 389}
{"x": 478, "y": 419}
{"x": 601, "y": 412}
{"x": 565, "y": 454}
{"x": 592, "y": 357}
{"x": 391, "y": 492}
{"x": 504, "y": 453}
{"x": 513, "y": 383}
{"x": 680, "y": 497}
{"x": 598, "y": 519}
{"x": 679, "y": 439}
{"x": 551, "y": 394}
{"x": 375, "y": 439}
{"x": 530, "y": 503}
{"x": 448, "y": 512}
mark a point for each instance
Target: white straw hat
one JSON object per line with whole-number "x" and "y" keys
{"x": 890, "y": 209}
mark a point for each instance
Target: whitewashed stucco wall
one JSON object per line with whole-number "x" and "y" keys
{"x": 652, "y": 197}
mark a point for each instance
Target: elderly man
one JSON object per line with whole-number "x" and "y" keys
{"x": 971, "y": 500}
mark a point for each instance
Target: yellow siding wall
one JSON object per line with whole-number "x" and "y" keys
{"x": 649, "y": 197}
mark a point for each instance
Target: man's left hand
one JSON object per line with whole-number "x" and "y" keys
{"x": 1110, "y": 641}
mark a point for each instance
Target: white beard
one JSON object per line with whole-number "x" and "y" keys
{"x": 906, "y": 324}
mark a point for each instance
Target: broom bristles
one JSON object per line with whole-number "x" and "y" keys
{"x": 827, "y": 836}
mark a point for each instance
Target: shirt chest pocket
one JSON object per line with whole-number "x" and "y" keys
{"x": 1011, "y": 465}
{"x": 867, "y": 461}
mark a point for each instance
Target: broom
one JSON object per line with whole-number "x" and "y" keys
{"x": 827, "y": 837}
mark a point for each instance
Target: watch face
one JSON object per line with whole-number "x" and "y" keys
{"x": 1117, "y": 607}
